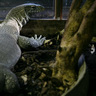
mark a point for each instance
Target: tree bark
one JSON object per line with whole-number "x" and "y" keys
{"x": 79, "y": 31}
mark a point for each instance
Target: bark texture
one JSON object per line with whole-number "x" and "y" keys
{"x": 79, "y": 30}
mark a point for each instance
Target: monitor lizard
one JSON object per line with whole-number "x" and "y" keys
{"x": 10, "y": 40}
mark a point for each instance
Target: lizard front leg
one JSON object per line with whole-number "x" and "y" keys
{"x": 26, "y": 42}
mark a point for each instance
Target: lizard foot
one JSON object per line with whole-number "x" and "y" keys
{"x": 36, "y": 42}
{"x": 8, "y": 80}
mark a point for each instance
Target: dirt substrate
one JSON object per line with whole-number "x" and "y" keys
{"x": 34, "y": 72}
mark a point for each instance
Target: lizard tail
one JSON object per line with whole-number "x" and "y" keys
{"x": 21, "y": 13}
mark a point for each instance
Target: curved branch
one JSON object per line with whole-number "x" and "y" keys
{"x": 75, "y": 19}
{"x": 76, "y": 37}
{"x": 87, "y": 26}
{"x": 75, "y": 5}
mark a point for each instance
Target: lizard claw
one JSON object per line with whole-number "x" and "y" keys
{"x": 35, "y": 37}
{"x": 36, "y": 42}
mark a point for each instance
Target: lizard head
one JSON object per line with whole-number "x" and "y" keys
{"x": 31, "y": 8}
{"x": 22, "y": 13}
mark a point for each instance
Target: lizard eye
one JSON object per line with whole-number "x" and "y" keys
{"x": 34, "y": 7}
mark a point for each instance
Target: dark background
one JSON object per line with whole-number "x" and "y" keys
{"x": 6, "y": 5}
{"x": 47, "y": 3}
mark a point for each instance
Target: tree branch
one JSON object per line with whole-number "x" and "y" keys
{"x": 86, "y": 6}
{"x": 86, "y": 30}
{"x": 78, "y": 33}
{"x": 75, "y": 20}
{"x": 75, "y": 5}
